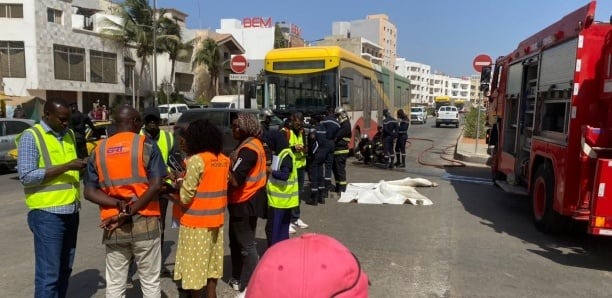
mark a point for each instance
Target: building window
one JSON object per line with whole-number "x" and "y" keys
{"x": 69, "y": 63}
{"x": 11, "y": 11}
{"x": 183, "y": 81}
{"x": 54, "y": 16}
{"x": 12, "y": 59}
{"x": 103, "y": 67}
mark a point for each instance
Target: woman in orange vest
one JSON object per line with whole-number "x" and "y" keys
{"x": 246, "y": 197}
{"x": 203, "y": 198}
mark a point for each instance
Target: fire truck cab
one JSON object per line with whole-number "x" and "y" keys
{"x": 551, "y": 114}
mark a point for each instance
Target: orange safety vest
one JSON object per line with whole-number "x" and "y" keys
{"x": 122, "y": 173}
{"x": 257, "y": 175}
{"x": 207, "y": 208}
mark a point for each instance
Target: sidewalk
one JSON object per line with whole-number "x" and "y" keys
{"x": 466, "y": 150}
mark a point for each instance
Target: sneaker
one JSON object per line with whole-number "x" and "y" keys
{"x": 234, "y": 284}
{"x": 300, "y": 224}
{"x": 292, "y": 229}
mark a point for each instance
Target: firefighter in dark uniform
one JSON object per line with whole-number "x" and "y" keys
{"x": 330, "y": 125}
{"x": 390, "y": 128}
{"x": 316, "y": 160}
{"x": 343, "y": 138}
{"x": 402, "y": 137}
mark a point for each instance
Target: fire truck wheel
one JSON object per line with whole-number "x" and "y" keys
{"x": 544, "y": 216}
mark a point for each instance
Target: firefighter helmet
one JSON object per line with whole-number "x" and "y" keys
{"x": 267, "y": 112}
{"x": 341, "y": 114}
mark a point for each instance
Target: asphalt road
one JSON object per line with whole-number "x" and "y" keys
{"x": 474, "y": 241}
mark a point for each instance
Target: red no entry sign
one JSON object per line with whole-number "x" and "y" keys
{"x": 480, "y": 61}
{"x": 238, "y": 64}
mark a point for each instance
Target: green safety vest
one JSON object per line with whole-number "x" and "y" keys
{"x": 63, "y": 189}
{"x": 300, "y": 157}
{"x": 165, "y": 143}
{"x": 284, "y": 194}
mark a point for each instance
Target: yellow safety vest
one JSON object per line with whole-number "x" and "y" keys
{"x": 63, "y": 189}
{"x": 165, "y": 143}
{"x": 284, "y": 194}
{"x": 300, "y": 157}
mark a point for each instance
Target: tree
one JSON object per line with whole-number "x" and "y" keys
{"x": 171, "y": 43}
{"x": 208, "y": 55}
{"x": 279, "y": 39}
{"x": 134, "y": 28}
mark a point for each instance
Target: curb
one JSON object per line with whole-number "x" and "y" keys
{"x": 462, "y": 154}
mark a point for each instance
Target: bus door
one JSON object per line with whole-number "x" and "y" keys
{"x": 367, "y": 104}
{"x": 380, "y": 98}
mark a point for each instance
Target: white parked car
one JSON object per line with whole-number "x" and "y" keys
{"x": 418, "y": 114}
{"x": 170, "y": 113}
{"x": 448, "y": 115}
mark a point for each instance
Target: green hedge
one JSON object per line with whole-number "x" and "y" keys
{"x": 471, "y": 118}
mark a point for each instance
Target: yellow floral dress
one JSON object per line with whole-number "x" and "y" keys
{"x": 199, "y": 254}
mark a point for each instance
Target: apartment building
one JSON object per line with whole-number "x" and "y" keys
{"x": 357, "y": 45}
{"x": 52, "y": 49}
{"x": 418, "y": 74}
{"x": 457, "y": 88}
{"x": 376, "y": 28}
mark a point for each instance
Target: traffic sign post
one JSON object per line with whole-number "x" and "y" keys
{"x": 238, "y": 64}
{"x": 481, "y": 62}
{"x": 238, "y": 77}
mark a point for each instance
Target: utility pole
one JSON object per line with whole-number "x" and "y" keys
{"x": 155, "y": 53}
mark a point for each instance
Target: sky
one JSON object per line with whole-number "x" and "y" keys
{"x": 446, "y": 34}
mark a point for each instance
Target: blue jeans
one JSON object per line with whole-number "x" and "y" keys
{"x": 55, "y": 238}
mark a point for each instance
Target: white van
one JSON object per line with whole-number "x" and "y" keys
{"x": 232, "y": 101}
{"x": 170, "y": 113}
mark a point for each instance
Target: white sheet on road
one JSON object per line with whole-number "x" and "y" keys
{"x": 396, "y": 192}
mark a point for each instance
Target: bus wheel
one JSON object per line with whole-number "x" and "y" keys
{"x": 545, "y": 217}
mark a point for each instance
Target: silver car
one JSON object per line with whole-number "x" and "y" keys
{"x": 9, "y": 130}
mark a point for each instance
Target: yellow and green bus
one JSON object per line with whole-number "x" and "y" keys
{"x": 442, "y": 101}
{"x": 309, "y": 79}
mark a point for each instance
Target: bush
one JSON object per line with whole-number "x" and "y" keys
{"x": 471, "y": 124}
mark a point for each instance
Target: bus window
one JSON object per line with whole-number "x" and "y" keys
{"x": 345, "y": 95}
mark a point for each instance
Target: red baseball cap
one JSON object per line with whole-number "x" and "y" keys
{"x": 312, "y": 265}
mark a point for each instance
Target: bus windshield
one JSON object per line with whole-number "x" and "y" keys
{"x": 305, "y": 92}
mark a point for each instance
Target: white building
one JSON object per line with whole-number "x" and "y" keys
{"x": 357, "y": 45}
{"x": 456, "y": 88}
{"x": 376, "y": 28}
{"x": 418, "y": 74}
{"x": 255, "y": 35}
{"x": 52, "y": 49}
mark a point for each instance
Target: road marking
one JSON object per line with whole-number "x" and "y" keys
{"x": 467, "y": 179}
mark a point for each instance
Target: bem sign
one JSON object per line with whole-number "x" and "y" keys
{"x": 257, "y": 22}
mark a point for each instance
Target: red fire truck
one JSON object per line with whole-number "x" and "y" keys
{"x": 551, "y": 105}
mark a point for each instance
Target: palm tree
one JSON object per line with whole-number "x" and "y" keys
{"x": 134, "y": 28}
{"x": 171, "y": 43}
{"x": 208, "y": 55}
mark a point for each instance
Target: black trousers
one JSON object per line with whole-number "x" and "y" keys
{"x": 400, "y": 144}
{"x": 340, "y": 171}
{"x": 388, "y": 147}
{"x": 319, "y": 169}
{"x": 329, "y": 162}
{"x": 243, "y": 248}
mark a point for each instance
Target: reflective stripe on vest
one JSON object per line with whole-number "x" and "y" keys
{"x": 256, "y": 178}
{"x": 300, "y": 157}
{"x": 119, "y": 180}
{"x": 165, "y": 143}
{"x": 63, "y": 189}
{"x": 207, "y": 209}
{"x": 284, "y": 194}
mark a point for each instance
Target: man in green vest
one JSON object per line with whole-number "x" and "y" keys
{"x": 166, "y": 144}
{"x": 49, "y": 171}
